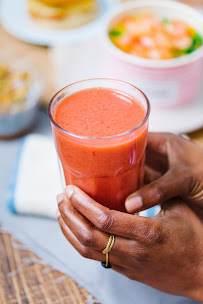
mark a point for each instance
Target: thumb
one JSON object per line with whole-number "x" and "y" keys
{"x": 169, "y": 185}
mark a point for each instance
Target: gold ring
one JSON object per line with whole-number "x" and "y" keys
{"x": 108, "y": 248}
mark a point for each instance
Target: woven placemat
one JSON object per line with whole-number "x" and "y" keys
{"x": 36, "y": 283}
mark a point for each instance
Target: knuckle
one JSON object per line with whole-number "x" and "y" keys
{"x": 154, "y": 234}
{"x": 105, "y": 221}
{"x": 183, "y": 178}
{"x": 61, "y": 207}
{"x": 158, "y": 192}
{"x": 133, "y": 247}
{"x": 139, "y": 252}
{"x": 65, "y": 210}
{"x": 142, "y": 257}
{"x": 85, "y": 252}
{"x": 60, "y": 221}
{"x": 86, "y": 238}
{"x": 180, "y": 171}
{"x": 150, "y": 234}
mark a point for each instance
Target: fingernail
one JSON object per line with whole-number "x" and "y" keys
{"x": 58, "y": 213}
{"x": 134, "y": 203}
{"x": 59, "y": 198}
{"x": 69, "y": 191}
{"x": 185, "y": 136}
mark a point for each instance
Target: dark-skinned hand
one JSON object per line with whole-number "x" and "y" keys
{"x": 164, "y": 252}
{"x": 174, "y": 169}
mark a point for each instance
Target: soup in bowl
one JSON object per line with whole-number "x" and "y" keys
{"x": 152, "y": 37}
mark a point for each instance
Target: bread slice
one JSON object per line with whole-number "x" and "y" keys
{"x": 71, "y": 15}
{"x": 58, "y": 2}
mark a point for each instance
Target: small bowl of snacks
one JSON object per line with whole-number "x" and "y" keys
{"x": 157, "y": 46}
{"x": 20, "y": 89}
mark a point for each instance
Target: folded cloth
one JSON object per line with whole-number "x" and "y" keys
{"x": 36, "y": 179}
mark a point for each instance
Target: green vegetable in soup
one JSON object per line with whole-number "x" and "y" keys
{"x": 197, "y": 40}
{"x": 196, "y": 43}
{"x": 165, "y": 20}
{"x": 115, "y": 33}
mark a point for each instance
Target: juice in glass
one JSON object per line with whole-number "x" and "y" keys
{"x": 100, "y": 131}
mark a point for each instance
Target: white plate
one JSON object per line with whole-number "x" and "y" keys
{"x": 181, "y": 120}
{"x": 16, "y": 20}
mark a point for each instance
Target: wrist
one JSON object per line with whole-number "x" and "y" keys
{"x": 197, "y": 293}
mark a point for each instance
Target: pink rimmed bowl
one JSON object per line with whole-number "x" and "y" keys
{"x": 168, "y": 83}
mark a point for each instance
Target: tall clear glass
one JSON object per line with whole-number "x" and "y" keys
{"x": 107, "y": 168}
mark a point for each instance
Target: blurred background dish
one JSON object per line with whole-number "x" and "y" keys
{"x": 17, "y": 20}
{"x": 20, "y": 90}
{"x": 14, "y": 88}
{"x": 62, "y": 14}
{"x": 169, "y": 82}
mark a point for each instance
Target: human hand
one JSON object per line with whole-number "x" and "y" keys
{"x": 175, "y": 168}
{"x": 164, "y": 252}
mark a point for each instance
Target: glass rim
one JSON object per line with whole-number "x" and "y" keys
{"x": 105, "y": 137}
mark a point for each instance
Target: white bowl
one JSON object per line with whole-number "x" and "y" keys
{"x": 167, "y": 83}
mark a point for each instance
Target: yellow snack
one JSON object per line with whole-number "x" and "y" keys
{"x": 14, "y": 87}
{"x": 62, "y": 14}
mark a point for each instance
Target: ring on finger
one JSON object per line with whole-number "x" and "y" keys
{"x": 107, "y": 249}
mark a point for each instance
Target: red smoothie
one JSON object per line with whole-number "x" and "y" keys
{"x": 105, "y": 165}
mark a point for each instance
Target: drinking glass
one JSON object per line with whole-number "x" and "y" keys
{"x": 107, "y": 168}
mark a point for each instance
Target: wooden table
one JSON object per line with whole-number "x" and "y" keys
{"x": 32, "y": 285}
